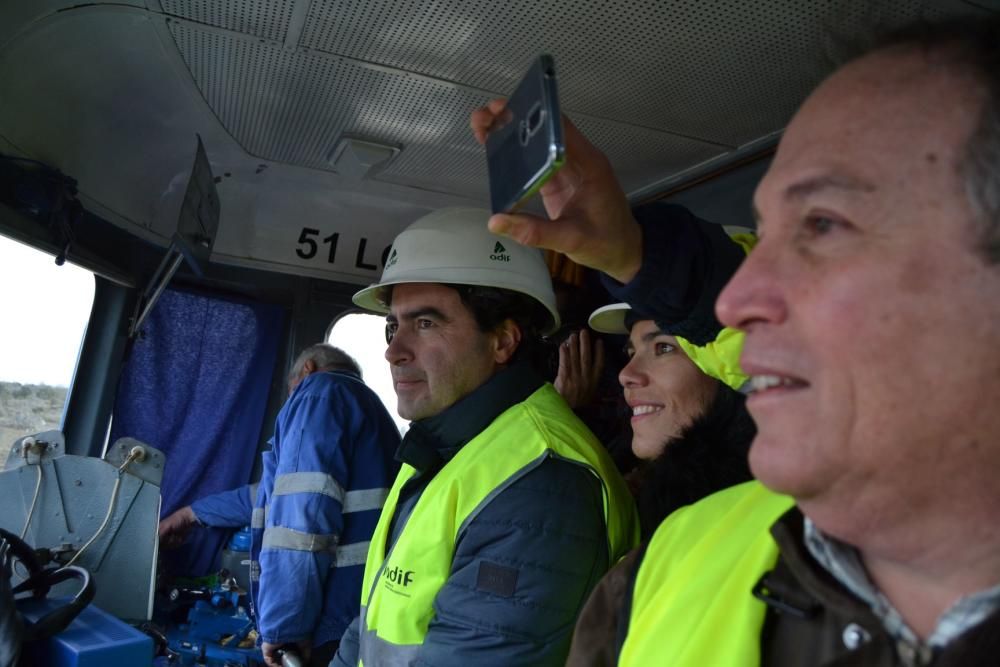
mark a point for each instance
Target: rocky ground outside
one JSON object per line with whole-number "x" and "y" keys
{"x": 26, "y": 409}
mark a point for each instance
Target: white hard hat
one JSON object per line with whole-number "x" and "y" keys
{"x": 453, "y": 246}
{"x": 610, "y": 319}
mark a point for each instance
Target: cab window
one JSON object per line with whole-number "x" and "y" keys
{"x": 363, "y": 337}
{"x": 45, "y": 311}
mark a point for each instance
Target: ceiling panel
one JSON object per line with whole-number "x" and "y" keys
{"x": 668, "y": 89}
{"x": 268, "y": 19}
{"x": 291, "y": 106}
{"x": 725, "y": 72}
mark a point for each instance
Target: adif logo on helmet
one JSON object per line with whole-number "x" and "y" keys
{"x": 451, "y": 246}
{"x": 499, "y": 253}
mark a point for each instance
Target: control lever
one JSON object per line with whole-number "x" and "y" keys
{"x": 290, "y": 658}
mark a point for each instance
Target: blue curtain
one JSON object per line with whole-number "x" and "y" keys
{"x": 195, "y": 386}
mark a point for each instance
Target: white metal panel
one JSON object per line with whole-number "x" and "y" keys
{"x": 107, "y": 102}
{"x": 113, "y": 95}
{"x": 115, "y": 107}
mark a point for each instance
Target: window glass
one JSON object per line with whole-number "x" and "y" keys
{"x": 45, "y": 311}
{"x": 362, "y": 335}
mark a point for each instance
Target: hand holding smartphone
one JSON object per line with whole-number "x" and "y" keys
{"x": 525, "y": 146}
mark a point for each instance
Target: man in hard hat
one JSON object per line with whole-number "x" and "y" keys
{"x": 314, "y": 509}
{"x": 871, "y": 318}
{"x": 507, "y": 510}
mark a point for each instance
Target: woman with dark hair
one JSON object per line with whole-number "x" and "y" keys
{"x": 690, "y": 434}
{"x": 690, "y": 427}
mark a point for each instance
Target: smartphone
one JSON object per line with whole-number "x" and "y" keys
{"x": 525, "y": 145}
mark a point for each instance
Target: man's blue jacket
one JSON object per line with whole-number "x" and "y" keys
{"x": 313, "y": 512}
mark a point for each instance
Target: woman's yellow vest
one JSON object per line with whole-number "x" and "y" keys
{"x": 399, "y": 588}
{"x": 692, "y": 604}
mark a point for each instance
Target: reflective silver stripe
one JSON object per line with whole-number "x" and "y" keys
{"x": 277, "y": 537}
{"x": 308, "y": 482}
{"x": 364, "y": 500}
{"x": 254, "y": 571}
{"x": 379, "y": 652}
{"x": 258, "y": 517}
{"x": 253, "y": 491}
{"x": 351, "y": 554}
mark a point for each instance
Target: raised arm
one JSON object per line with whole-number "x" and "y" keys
{"x": 590, "y": 221}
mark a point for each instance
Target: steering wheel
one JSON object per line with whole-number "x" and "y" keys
{"x": 40, "y": 581}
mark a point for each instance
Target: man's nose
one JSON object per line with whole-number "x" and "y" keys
{"x": 397, "y": 352}
{"x": 754, "y": 294}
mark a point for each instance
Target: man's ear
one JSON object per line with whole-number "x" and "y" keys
{"x": 308, "y": 368}
{"x": 508, "y": 337}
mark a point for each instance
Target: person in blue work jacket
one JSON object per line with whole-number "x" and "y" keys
{"x": 313, "y": 512}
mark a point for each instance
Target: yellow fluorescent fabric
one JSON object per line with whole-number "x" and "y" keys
{"x": 399, "y": 589}
{"x": 720, "y": 358}
{"x": 692, "y": 605}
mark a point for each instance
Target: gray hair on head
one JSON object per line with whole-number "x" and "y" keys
{"x": 972, "y": 46}
{"x": 325, "y": 356}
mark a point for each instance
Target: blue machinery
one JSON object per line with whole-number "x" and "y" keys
{"x": 215, "y": 636}
{"x": 101, "y": 515}
{"x": 94, "y": 639}
{"x": 218, "y": 631}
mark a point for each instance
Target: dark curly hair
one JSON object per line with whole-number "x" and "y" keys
{"x": 710, "y": 455}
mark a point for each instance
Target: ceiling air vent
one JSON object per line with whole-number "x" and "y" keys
{"x": 357, "y": 158}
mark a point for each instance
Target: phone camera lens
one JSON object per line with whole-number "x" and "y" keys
{"x": 535, "y": 118}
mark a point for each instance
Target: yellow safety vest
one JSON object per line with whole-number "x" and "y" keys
{"x": 692, "y": 604}
{"x": 399, "y": 588}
